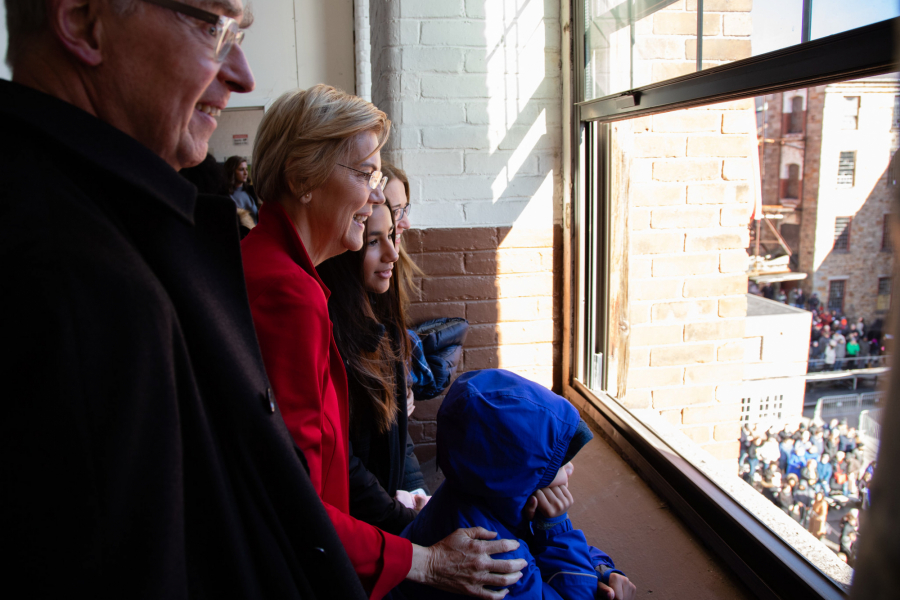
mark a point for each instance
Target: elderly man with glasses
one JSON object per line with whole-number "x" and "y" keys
{"x": 144, "y": 453}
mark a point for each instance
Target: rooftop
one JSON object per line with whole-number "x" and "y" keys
{"x": 757, "y": 306}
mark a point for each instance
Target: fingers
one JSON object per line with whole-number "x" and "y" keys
{"x": 504, "y": 572}
{"x": 554, "y": 501}
{"x": 606, "y": 591}
{"x": 478, "y": 533}
{"x": 530, "y": 508}
{"x": 421, "y": 501}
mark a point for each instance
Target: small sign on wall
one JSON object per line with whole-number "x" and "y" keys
{"x": 240, "y": 139}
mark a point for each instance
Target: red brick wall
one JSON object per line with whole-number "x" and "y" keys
{"x": 506, "y": 282}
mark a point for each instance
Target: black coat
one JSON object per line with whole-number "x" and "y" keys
{"x": 381, "y": 463}
{"x": 143, "y": 454}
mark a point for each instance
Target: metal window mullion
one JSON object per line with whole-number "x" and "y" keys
{"x": 806, "y": 24}
{"x": 700, "y": 35}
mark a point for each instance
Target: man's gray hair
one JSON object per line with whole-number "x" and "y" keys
{"x": 25, "y": 18}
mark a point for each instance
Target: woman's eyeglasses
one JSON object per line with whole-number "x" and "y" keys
{"x": 401, "y": 211}
{"x": 225, "y": 30}
{"x": 376, "y": 180}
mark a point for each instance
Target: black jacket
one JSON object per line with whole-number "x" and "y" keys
{"x": 143, "y": 453}
{"x": 381, "y": 463}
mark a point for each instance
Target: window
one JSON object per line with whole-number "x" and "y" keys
{"x": 792, "y": 190}
{"x": 836, "y": 295}
{"x": 851, "y": 112}
{"x": 846, "y": 169}
{"x": 895, "y": 117}
{"x": 886, "y": 234}
{"x": 665, "y": 179}
{"x": 842, "y": 233}
{"x": 795, "y": 124}
{"x": 884, "y": 294}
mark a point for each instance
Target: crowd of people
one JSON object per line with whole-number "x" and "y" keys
{"x": 807, "y": 470}
{"x": 836, "y": 342}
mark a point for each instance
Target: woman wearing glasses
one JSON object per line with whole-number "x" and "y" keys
{"x": 317, "y": 164}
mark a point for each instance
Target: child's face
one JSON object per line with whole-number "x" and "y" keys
{"x": 380, "y": 253}
{"x": 562, "y": 476}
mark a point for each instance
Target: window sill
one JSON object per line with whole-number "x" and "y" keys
{"x": 764, "y": 561}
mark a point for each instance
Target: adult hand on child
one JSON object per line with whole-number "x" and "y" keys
{"x": 619, "y": 588}
{"x": 462, "y": 563}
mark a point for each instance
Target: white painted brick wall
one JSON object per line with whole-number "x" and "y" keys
{"x": 475, "y": 90}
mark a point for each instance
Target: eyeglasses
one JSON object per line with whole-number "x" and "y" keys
{"x": 376, "y": 180}
{"x": 225, "y": 30}
{"x": 401, "y": 211}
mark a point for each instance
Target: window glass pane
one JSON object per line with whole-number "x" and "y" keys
{"x": 846, "y": 169}
{"x": 842, "y": 233}
{"x": 754, "y": 295}
{"x": 836, "y": 16}
{"x": 632, "y": 43}
{"x": 776, "y": 24}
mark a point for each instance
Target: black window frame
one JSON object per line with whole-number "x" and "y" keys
{"x": 832, "y": 297}
{"x": 842, "y": 236}
{"x": 886, "y": 234}
{"x": 844, "y": 158}
{"x": 761, "y": 559}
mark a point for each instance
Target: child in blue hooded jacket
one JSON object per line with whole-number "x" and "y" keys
{"x": 500, "y": 439}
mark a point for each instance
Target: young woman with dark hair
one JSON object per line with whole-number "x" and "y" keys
{"x": 369, "y": 330}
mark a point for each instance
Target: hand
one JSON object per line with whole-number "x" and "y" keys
{"x": 461, "y": 563}
{"x": 406, "y": 499}
{"x": 552, "y": 502}
{"x": 410, "y": 402}
{"x": 421, "y": 500}
{"x": 619, "y": 588}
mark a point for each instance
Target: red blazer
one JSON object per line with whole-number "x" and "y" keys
{"x": 290, "y": 311}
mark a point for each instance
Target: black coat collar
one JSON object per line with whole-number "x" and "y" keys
{"x": 101, "y": 144}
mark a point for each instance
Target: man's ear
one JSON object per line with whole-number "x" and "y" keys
{"x": 76, "y": 24}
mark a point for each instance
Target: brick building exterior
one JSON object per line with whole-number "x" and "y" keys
{"x": 838, "y": 141}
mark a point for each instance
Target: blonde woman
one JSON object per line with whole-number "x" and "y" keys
{"x": 318, "y": 173}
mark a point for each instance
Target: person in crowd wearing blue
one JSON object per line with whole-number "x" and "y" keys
{"x": 797, "y": 460}
{"x": 501, "y": 441}
{"x": 824, "y": 471}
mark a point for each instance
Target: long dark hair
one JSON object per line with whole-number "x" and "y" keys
{"x": 364, "y": 324}
{"x": 231, "y": 165}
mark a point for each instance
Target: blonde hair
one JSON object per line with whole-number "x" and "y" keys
{"x": 305, "y": 134}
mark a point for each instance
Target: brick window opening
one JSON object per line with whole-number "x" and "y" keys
{"x": 795, "y": 125}
{"x": 846, "y": 169}
{"x": 895, "y": 120}
{"x": 886, "y": 234}
{"x": 836, "y": 295}
{"x": 842, "y": 233}
{"x": 884, "y": 294}
{"x": 851, "y": 112}
{"x": 793, "y": 182}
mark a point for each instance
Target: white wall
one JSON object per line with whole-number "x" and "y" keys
{"x": 476, "y": 91}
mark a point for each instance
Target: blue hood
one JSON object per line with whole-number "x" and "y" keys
{"x": 501, "y": 437}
